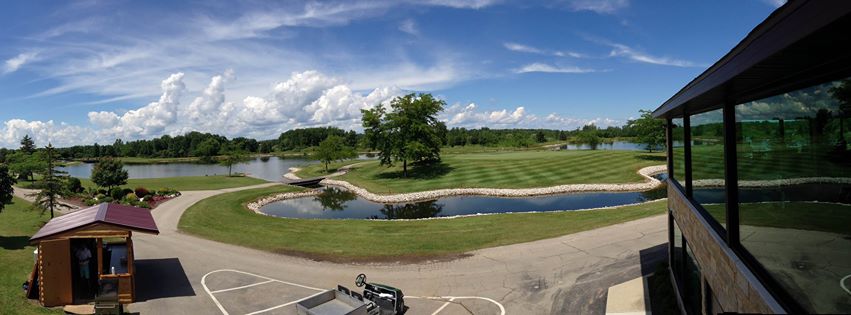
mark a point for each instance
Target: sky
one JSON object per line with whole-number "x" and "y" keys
{"x": 79, "y": 72}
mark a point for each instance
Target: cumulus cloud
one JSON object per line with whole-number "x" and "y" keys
{"x": 542, "y": 67}
{"x": 44, "y": 132}
{"x": 15, "y": 63}
{"x": 470, "y": 116}
{"x": 149, "y": 120}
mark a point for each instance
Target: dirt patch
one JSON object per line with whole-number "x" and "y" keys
{"x": 383, "y": 260}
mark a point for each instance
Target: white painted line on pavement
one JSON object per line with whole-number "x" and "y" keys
{"x": 283, "y": 305}
{"x": 222, "y": 308}
{"x": 842, "y": 284}
{"x": 452, "y": 298}
{"x": 242, "y": 287}
{"x": 442, "y": 307}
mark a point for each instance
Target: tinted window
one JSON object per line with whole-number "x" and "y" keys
{"x": 794, "y": 167}
{"x": 677, "y": 135}
{"x": 707, "y": 156}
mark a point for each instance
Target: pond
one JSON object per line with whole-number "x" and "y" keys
{"x": 269, "y": 168}
{"x": 336, "y": 203}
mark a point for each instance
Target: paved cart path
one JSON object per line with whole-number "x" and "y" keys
{"x": 568, "y": 274}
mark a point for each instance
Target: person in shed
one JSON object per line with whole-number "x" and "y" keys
{"x": 80, "y": 250}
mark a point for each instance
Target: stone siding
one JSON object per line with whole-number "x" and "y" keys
{"x": 734, "y": 286}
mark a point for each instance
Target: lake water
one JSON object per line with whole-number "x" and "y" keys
{"x": 271, "y": 169}
{"x": 615, "y": 145}
{"x": 336, "y": 203}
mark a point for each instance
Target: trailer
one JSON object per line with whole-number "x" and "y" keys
{"x": 377, "y": 299}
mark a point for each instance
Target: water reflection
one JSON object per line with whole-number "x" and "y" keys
{"x": 336, "y": 203}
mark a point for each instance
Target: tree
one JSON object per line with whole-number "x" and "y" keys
{"x": 409, "y": 132}
{"x": 207, "y": 149}
{"x": 332, "y": 149}
{"x": 232, "y": 158}
{"x": 589, "y": 136}
{"x": 109, "y": 173}
{"x": 842, "y": 93}
{"x": 540, "y": 137}
{"x": 52, "y": 186}
{"x": 25, "y": 165}
{"x": 27, "y": 145}
{"x": 650, "y": 131}
{"x": 6, "y": 189}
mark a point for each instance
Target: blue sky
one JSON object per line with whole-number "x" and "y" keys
{"x": 86, "y": 71}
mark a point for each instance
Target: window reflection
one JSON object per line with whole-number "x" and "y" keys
{"x": 677, "y": 135}
{"x": 707, "y": 156}
{"x": 795, "y": 191}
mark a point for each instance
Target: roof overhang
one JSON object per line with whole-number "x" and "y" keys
{"x": 104, "y": 216}
{"x": 800, "y": 44}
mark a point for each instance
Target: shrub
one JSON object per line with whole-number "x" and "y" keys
{"x": 141, "y": 192}
{"x": 73, "y": 185}
{"x": 132, "y": 197}
{"x": 117, "y": 193}
{"x": 91, "y": 202}
{"x": 105, "y": 199}
{"x": 167, "y": 192}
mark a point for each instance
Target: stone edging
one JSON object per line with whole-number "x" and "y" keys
{"x": 259, "y": 203}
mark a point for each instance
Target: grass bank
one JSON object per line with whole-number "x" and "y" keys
{"x": 225, "y": 218}
{"x": 527, "y": 169}
{"x": 188, "y": 182}
{"x": 17, "y": 224}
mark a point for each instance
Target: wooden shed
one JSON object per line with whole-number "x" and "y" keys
{"x": 80, "y": 250}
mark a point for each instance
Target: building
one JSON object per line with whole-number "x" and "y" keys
{"x": 759, "y": 188}
{"x": 87, "y": 250}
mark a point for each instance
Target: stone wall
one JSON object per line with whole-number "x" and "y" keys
{"x": 734, "y": 286}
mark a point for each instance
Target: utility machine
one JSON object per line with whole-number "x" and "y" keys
{"x": 377, "y": 299}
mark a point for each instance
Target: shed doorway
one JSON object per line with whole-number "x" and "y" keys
{"x": 84, "y": 272}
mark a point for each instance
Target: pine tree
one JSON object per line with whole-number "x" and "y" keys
{"x": 27, "y": 145}
{"x": 52, "y": 186}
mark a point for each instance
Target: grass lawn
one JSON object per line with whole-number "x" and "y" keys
{"x": 188, "y": 182}
{"x": 17, "y": 224}
{"x": 824, "y": 217}
{"x": 502, "y": 170}
{"x": 224, "y": 218}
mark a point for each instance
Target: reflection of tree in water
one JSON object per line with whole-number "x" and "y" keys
{"x": 334, "y": 198}
{"x": 419, "y": 210}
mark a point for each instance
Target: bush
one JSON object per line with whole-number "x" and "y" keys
{"x": 167, "y": 192}
{"x": 117, "y": 193}
{"x": 74, "y": 185}
{"x": 132, "y": 197}
{"x": 91, "y": 202}
{"x": 105, "y": 199}
{"x": 141, "y": 192}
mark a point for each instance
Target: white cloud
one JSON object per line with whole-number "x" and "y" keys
{"x": 534, "y": 50}
{"x": 15, "y": 63}
{"x": 470, "y": 116}
{"x": 620, "y": 50}
{"x": 522, "y": 48}
{"x": 147, "y": 121}
{"x": 598, "y": 6}
{"x": 409, "y": 26}
{"x": 103, "y": 119}
{"x": 43, "y": 132}
{"x": 775, "y": 3}
{"x": 542, "y": 67}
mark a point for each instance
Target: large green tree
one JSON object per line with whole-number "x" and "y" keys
{"x": 233, "y": 157}
{"x": 109, "y": 173}
{"x": 649, "y": 131}
{"x": 6, "y": 183}
{"x": 27, "y": 145}
{"x": 408, "y": 132}
{"x": 25, "y": 165}
{"x": 51, "y": 184}
{"x": 332, "y": 149}
{"x": 842, "y": 93}
{"x": 208, "y": 149}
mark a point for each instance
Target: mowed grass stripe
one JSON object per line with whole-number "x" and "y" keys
{"x": 527, "y": 169}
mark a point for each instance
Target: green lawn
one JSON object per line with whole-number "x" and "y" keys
{"x": 824, "y": 217}
{"x": 188, "y": 182}
{"x": 17, "y": 224}
{"x": 502, "y": 170}
{"x": 224, "y": 218}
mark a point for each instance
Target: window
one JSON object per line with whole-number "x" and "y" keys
{"x": 692, "y": 297}
{"x": 676, "y": 250}
{"x": 707, "y": 160}
{"x": 794, "y": 168}
{"x": 677, "y": 136}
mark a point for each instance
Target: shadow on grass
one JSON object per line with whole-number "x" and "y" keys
{"x": 421, "y": 171}
{"x": 651, "y": 157}
{"x": 13, "y": 242}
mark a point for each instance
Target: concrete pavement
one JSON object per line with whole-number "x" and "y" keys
{"x": 568, "y": 274}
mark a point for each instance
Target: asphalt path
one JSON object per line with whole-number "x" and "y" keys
{"x": 183, "y": 274}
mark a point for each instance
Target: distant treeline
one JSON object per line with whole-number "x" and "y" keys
{"x": 197, "y": 144}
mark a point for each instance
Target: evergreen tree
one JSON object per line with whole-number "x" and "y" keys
{"x": 109, "y": 173}
{"x": 6, "y": 183}
{"x": 52, "y": 186}
{"x": 27, "y": 145}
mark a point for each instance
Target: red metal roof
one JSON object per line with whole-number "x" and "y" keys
{"x": 132, "y": 218}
